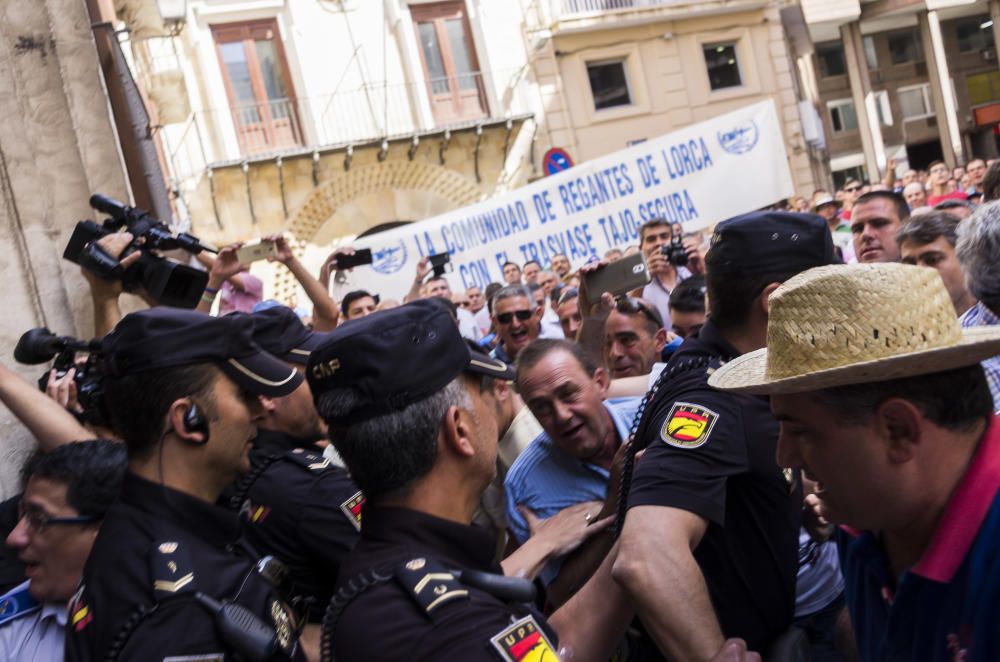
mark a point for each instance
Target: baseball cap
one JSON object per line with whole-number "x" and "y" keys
{"x": 770, "y": 242}
{"x": 396, "y": 357}
{"x": 280, "y": 332}
{"x": 164, "y": 337}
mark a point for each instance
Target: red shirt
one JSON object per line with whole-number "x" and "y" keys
{"x": 933, "y": 200}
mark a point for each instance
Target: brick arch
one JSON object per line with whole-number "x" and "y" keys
{"x": 362, "y": 180}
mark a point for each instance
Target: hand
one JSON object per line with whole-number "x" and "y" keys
{"x": 283, "y": 252}
{"x": 656, "y": 262}
{"x": 567, "y": 529}
{"x": 423, "y": 268}
{"x": 330, "y": 264}
{"x": 735, "y": 650}
{"x": 607, "y": 301}
{"x": 63, "y": 390}
{"x": 891, "y": 166}
{"x": 227, "y": 263}
{"x": 814, "y": 520}
{"x": 696, "y": 261}
{"x": 113, "y": 245}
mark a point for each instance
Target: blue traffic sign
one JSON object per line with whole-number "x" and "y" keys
{"x": 556, "y": 160}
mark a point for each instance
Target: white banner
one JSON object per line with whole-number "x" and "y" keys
{"x": 697, "y": 176}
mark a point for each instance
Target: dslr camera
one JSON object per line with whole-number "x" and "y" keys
{"x": 675, "y": 252}
{"x": 168, "y": 282}
{"x": 41, "y": 345}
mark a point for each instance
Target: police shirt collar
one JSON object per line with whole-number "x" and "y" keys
{"x": 272, "y": 442}
{"x": 449, "y": 542}
{"x": 207, "y": 521}
{"x": 712, "y": 339}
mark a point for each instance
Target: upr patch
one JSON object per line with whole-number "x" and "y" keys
{"x": 688, "y": 425}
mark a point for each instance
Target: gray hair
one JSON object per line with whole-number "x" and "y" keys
{"x": 513, "y": 292}
{"x": 925, "y": 228}
{"x": 978, "y": 251}
{"x": 387, "y": 454}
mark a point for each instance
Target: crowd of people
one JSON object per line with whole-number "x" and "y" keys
{"x": 783, "y": 447}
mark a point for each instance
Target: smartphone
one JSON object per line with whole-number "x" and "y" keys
{"x": 361, "y": 257}
{"x": 441, "y": 264}
{"x": 260, "y": 250}
{"x": 619, "y": 277}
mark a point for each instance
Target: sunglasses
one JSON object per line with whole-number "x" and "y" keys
{"x": 507, "y": 318}
{"x": 633, "y": 306}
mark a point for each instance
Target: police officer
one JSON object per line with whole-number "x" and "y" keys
{"x": 709, "y": 547}
{"x": 296, "y": 504}
{"x": 168, "y": 577}
{"x": 402, "y": 394}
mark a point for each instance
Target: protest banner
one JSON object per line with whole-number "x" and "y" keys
{"x": 696, "y": 176}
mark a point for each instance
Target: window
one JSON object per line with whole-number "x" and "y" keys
{"x": 974, "y": 34}
{"x": 983, "y": 88}
{"x": 841, "y": 177}
{"x": 915, "y": 101}
{"x": 868, "y": 43}
{"x": 831, "y": 60}
{"x": 723, "y": 68}
{"x": 454, "y": 82}
{"x": 842, "y": 115}
{"x": 904, "y": 47}
{"x": 882, "y": 108}
{"x": 258, "y": 85}
{"x": 609, "y": 84}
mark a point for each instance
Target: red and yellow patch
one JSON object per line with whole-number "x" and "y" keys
{"x": 352, "y": 509}
{"x": 524, "y": 641}
{"x": 688, "y": 425}
{"x": 80, "y": 615}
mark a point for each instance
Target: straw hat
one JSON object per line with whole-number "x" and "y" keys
{"x": 839, "y": 325}
{"x": 825, "y": 200}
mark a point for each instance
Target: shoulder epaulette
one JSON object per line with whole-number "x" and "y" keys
{"x": 171, "y": 568}
{"x": 16, "y": 604}
{"x": 429, "y": 583}
{"x": 308, "y": 459}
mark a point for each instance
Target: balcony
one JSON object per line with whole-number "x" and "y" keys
{"x": 568, "y": 16}
{"x": 365, "y": 114}
{"x": 570, "y": 7}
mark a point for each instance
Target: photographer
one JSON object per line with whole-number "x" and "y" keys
{"x": 182, "y": 389}
{"x": 105, "y": 292}
{"x": 666, "y": 270}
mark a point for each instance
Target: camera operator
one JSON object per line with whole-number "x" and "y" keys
{"x": 295, "y": 503}
{"x": 104, "y": 292}
{"x": 665, "y": 270}
{"x": 168, "y": 569}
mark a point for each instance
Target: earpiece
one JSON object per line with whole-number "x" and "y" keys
{"x": 195, "y": 422}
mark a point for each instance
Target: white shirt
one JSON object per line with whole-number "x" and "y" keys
{"x": 36, "y": 635}
{"x": 551, "y": 328}
{"x": 467, "y": 325}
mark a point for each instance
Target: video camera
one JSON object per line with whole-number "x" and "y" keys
{"x": 167, "y": 281}
{"x": 41, "y": 345}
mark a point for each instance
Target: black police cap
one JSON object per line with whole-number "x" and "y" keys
{"x": 165, "y": 337}
{"x": 280, "y": 332}
{"x": 770, "y": 242}
{"x": 396, "y": 357}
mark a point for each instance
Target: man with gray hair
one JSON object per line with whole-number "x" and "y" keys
{"x": 517, "y": 319}
{"x": 978, "y": 251}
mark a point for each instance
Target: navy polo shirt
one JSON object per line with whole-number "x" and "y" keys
{"x": 947, "y": 606}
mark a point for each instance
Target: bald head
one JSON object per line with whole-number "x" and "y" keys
{"x": 915, "y": 195}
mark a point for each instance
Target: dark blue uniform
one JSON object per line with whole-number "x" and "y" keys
{"x": 713, "y": 454}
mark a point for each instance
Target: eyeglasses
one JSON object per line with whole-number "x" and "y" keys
{"x": 633, "y": 306}
{"x": 507, "y": 318}
{"x": 39, "y": 520}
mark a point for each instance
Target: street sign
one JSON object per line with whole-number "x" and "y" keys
{"x": 556, "y": 160}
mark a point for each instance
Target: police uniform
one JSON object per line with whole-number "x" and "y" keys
{"x": 422, "y": 610}
{"x": 303, "y": 509}
{"x": 168, "y": 570}
{"x": 296, "y": 504}
{"x": 30, "y": 631}
{"x": 713, "y": 454}
{"x": 417, "y": 586}
{"x": 156, "y": 549}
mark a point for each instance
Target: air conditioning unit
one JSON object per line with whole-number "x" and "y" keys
{"x": 812, "y": 125}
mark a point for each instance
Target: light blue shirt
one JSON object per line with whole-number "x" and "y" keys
{"x": 35, "y": 634}
{"x": 546, "y": 479}
{"x": 981, "y": 315}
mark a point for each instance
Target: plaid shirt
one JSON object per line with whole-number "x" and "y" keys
{"x": 980, "y": 315}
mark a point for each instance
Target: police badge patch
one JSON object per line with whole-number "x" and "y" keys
{"x": 688, "y": 425}
{"x": 524, "y": 641}
{"x": 352, "y": 509}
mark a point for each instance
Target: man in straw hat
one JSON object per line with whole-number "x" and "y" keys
{"x": 883, "y": 402}
{"x": 710, "y": 545}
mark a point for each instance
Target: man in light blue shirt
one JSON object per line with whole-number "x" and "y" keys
{"x": 570, "y": 462}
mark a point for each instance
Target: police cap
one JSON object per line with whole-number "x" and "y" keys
{"x": 279, "y": 331}
{"x": 165, "y": 337}
{"x": 396, "y": 357}
{"x": 769, "y": 242}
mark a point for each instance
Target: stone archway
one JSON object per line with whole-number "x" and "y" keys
{"x": 388, "y": 178}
